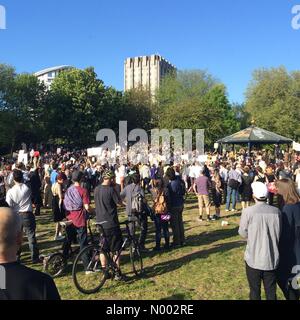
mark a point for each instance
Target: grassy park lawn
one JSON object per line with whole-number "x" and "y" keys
{"x": 209, "y": 267}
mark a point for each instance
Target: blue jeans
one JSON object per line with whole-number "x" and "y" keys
{"x": 29, "y": 227}
{"x": 231, "y": 196}
{"x": 82, "y": 237}
{"x": 161, "y": 226}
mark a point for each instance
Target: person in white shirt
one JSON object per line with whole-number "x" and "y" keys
{"x": 145, "y": 177}
{"x": 262, "y": 164}
{"x": 120, "y": 177}
{"x": 20, "y": 201}
{"x": 197, "y": 170}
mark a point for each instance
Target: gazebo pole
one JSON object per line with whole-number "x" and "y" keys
{"x": 249, "y": 148}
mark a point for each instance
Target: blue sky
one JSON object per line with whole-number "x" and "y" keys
{"x": 229, "y": 38}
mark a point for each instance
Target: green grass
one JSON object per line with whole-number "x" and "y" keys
{"x": 209, "y": 267}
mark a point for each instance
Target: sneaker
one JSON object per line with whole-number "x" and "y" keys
{"x": 233, "y": 210}
{"x": 226, "y": 210}
{"x": 200, "y": 219}
{"x": 208, "y": 219}
{"x": 120, "y": 277}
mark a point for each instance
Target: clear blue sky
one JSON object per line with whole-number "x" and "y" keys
{"x": 229, "y": 38}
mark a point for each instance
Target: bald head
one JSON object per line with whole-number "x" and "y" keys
{"x": 10, "y": 230}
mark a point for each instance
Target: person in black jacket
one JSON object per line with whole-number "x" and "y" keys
{"x": 289, "y": 245}
{"x": 35, "y": 186}
{"x": 18, "y": 282}
{"x": 175, "y": 192}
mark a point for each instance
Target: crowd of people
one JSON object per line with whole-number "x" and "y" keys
{"x": 66, "y": 182}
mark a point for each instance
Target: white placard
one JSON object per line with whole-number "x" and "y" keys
{"x": 23, "y": 157}
{"x": 296, "y": 146}
{"x": 185, "y": 157}
{"x": 113, "y": 154}
{"x": 94, "y": 152}
{"x": 216, "y": 146}
{"x": 58, "y": 151}
{"x": 203, "y": 158}
{"x": 20, "y": 156}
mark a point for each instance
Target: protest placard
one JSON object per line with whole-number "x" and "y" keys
{"x": 94, "y": 152}
{"x": 296, "y": 146}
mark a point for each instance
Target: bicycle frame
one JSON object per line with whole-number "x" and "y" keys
{"x": 129, "y": 238}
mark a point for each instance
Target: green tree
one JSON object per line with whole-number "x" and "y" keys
{"x": 196, "y": 100}
{"x": 76, "y": 101}
{"x": 273, "y": 101}
{"x": 138, "y": 109}
{"x": 21, "y": 107}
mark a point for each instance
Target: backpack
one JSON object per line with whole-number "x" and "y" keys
{"x": 137, "y": 202}
{"x": 233, "y": 184}
{"x": 73, "y": 200}
{"x": 160, "y": 204}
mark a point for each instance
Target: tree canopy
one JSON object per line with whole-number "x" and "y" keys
{"x": 273, "y": 101}
{"x": 79, "y": 104}
{"x": 192, "y": 100}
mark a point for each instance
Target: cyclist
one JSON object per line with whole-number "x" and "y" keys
{"x": 106, "y": 201}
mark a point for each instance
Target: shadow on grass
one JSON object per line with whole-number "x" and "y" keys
{"x": 204, "y": 238}
{"x": 233, "y": 215}
{"x": 169, "y": 266}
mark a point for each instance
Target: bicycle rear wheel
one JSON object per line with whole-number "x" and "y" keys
{"x": 55, "y": 265}
{"x": 88, "y": 275}
{"x": 136, "y": 259}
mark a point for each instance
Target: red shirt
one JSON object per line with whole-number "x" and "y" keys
{"x": 79, "y": 217}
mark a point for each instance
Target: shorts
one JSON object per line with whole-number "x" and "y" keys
{"x": 203, "y": 201}
{"x": 114, "y": 239}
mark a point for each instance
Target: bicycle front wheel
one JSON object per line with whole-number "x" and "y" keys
{"x": 136, "y": 259}
{"x": 88, "y": 275}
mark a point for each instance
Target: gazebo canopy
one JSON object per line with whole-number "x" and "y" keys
{"x": 255, "y": 135}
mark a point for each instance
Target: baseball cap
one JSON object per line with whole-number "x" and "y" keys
{"x": 260, "y": 190}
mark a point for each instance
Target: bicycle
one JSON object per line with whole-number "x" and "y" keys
{"x": 56, "y": 264}
{"x": 91, "y": 279}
